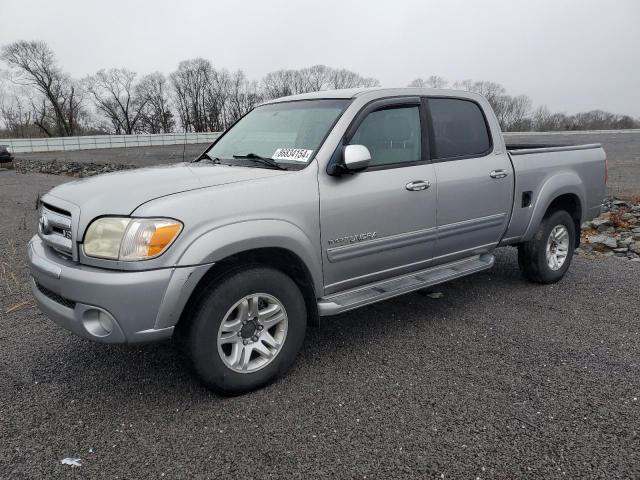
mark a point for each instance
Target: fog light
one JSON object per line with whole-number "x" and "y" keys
{"x": 97, "y": 322}
{"x": 105, "y": 322}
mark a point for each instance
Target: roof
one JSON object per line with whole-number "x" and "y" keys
{"x": 374, "y": 92}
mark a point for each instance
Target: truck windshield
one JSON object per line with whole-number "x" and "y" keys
{"x": 288, "y": 133}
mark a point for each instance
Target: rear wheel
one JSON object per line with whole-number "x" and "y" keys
{"x": 246, "y": 330}
{"x": 547, "y": 256}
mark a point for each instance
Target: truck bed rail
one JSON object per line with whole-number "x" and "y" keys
{"x": 525, "y": 149}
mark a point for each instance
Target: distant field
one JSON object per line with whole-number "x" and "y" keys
{"x": 623, "y": 150}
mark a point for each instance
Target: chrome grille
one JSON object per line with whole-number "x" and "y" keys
{"x": 54, "y": 228}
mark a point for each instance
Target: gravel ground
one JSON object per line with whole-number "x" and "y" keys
{"x": 498, "y": 378}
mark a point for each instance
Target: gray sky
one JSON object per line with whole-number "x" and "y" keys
{"x": 569, "y": 54}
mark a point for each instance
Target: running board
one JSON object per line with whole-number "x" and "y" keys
{"x": 375, "y": 292}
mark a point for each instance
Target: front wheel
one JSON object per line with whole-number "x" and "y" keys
{"x": 547, "y": 256}
{"x": 246, "y": 330}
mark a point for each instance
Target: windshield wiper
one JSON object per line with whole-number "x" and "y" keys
{"x": 263, "y": 160}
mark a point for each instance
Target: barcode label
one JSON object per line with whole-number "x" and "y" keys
{"x": 292, "y": 154}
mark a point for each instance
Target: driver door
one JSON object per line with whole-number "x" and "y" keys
{"x": 380, "y": 222}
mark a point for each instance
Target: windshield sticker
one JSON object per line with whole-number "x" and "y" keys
{"x": 292, "y": 154}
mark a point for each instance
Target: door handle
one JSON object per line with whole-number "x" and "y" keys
{"x": 418, "y": 185}
{"x": 498, "y": 174}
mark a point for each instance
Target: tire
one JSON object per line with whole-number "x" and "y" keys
{"x": 532, "y": 255}
{"x": 217, "y": 364}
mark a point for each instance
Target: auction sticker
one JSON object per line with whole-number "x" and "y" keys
{"x": 292, "y": 154}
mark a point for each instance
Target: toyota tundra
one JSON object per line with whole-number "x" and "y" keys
{"x": 308, "y": 206}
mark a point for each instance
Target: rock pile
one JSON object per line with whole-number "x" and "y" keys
{"x": 614, "y": 233}
{"x": 73, "y": 169}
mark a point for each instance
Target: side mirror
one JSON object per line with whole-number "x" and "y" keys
{"x": 355, "y": 157}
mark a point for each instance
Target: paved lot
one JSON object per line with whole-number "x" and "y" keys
{"x": 497, "y": 379}
{"x": 623, "y": 150}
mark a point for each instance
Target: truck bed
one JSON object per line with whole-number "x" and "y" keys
{"x": 547, "y": 171}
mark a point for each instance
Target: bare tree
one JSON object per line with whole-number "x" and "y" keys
{"x": 312, "y": 79}
{"x": 418, "y": 82}
{"x": 490, "y": 90}
{"x": 229, "y": 97}
{"x": 217, "y": 99}
{"x": 315, "y": 78}
{"x": 282, "y": 83}
{"x": 541, "y": 119}
{"x": 601, "y": 120}
{"x": 347, "y": 79}
{"x": 513, "y": 112}
{"x": 60, "y": 109}
{"x": 115, "y": 96}
{"x": 156, "y": 115}
{"x": 211, "y": 100}
{"x": 625, "y": 121}
{"x": 434, "y": 81}
{"x": 519, "y": 113}
{"x": 192, "y": 84}
{"x": 15, "y": 111}
{"x": 17, "y": 116}
{"x": 562, "y": 121}
{"x": 243, "y": 95}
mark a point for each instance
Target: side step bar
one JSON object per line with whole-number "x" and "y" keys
{"x": 375, "y": 292}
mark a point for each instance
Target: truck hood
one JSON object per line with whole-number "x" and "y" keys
{"x": 120, "y": 193}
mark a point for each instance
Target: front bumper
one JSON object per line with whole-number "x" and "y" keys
{"x": 110, "y": 306}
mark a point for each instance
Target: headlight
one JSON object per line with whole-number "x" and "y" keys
{"x": 130, "y": 239}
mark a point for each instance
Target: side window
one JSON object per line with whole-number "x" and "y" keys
{"x": 392, "y": 135}
{"x": 459, "y": 128}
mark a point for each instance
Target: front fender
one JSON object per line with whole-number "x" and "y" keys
{"x": 558, "y": 184}
{"x": 226, "y": 240}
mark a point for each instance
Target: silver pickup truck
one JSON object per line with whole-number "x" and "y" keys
{"x": 308, "y": 206}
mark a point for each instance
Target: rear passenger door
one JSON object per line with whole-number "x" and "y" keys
{"x": 474, "y": 179}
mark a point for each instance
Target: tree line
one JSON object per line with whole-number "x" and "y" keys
{"x": 38, "y": 98}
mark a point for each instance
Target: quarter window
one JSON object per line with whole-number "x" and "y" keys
{"x": 392, "y": 135}
{"x": 459, "y": 129}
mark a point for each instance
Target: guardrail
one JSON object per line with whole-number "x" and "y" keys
{"x": 91, "y": 142}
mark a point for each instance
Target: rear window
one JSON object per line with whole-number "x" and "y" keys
{"x": 459, "y": 129}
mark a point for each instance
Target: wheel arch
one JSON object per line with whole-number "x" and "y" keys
{"x": 235, "y": 239}
{"x": 564, "y": 191}
{"x": 278, "y": 258}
